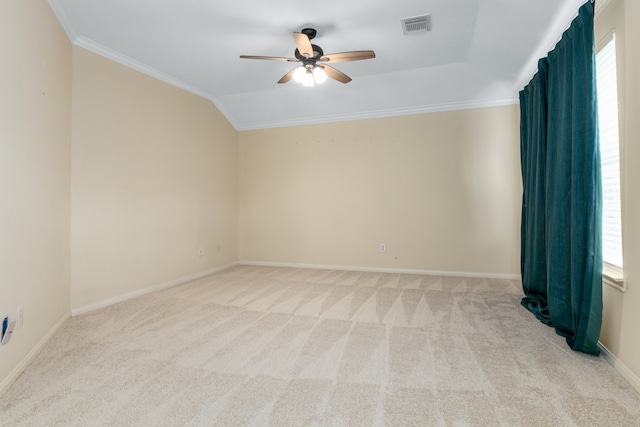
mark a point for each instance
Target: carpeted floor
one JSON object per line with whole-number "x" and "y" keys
{"x": 298, "y": 347}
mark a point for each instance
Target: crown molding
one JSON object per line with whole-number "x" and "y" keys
{"x": 67, "y": 24}
{"x": 106, "y": 52}
{"x": 63, "y": 18}
{"x": 422, "y": 109}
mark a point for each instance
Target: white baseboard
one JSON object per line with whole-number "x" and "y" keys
{"x": 626, "y": 373}
{"x": 13, "y": 376}
{"x": 383, "y": 270}
{"x": 129, "y": 295}
{"x": 119, "y": 298}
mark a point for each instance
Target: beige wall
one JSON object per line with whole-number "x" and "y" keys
{"x": 441, "y": 190}
{"x": 35, "y": 139}
{"x": 154, "y": 177}
{"x": 622, "y": 310}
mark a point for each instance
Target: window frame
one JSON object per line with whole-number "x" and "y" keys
{"x": 613, "y": 275}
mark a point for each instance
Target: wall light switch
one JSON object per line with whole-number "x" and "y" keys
{"x": 20, "y": 320}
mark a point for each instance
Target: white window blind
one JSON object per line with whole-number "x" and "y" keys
{"x": 607, "y": 90}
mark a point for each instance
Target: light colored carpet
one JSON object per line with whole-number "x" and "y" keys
{"x": 298, "y": 347}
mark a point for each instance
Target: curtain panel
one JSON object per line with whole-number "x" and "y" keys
{"x": 561, "y": 228}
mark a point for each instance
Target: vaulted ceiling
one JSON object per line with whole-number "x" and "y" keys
{"x": 478, "y": 52}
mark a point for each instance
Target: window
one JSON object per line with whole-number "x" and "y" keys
{"x": 607, "y": 89}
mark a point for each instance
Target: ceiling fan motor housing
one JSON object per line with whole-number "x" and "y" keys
{"x": 309, "y": 32}
{"x": 317, "y": 54}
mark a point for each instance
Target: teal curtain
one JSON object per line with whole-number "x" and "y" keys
{"x": 561, "y": 228}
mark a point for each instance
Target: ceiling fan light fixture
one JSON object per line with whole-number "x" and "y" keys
{"x": 319, "y": 75}
{"x": 308, "y": 80}
{"x": 299, "y": 74}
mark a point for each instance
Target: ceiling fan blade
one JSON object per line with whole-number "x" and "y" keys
{"x": 287, "y": 76}
{"x": 336, "y": 75}
{"x": 355, "y": 55}
{"x": 271, "y": 58}
{"x": 303, "y": 44}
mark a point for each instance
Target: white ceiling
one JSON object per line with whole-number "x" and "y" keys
{"x": 479, "y": 52}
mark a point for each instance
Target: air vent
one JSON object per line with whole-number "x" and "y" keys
{"x": 417, "y": 24}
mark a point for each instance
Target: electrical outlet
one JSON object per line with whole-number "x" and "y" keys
{"x": 383, "y": 247}
{"x": 7, "y": 330}
{"x": 20, "y": 321}
{"x": 217, "y": 248}
{"x": 200, "y": 251}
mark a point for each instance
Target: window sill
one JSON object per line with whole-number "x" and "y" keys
{"x": 614, "y": 277}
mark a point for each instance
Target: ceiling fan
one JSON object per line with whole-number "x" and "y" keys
{"x": 315, "y": 66}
